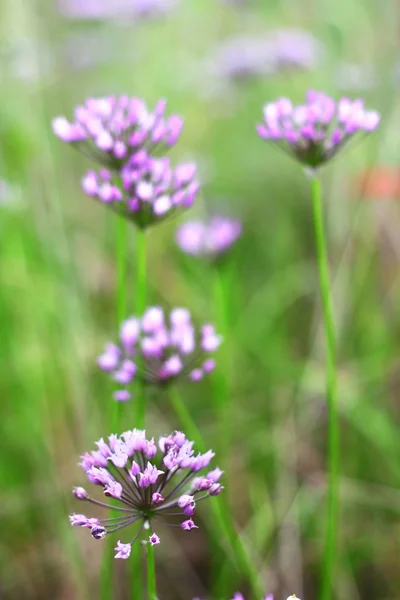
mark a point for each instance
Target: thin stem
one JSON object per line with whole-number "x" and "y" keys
{"x": 222, "y": 375}
{"x": 222, "y": 522}
{"x": 140, "y": 305}
{"x": 331, "y": 393}
{"x": 140, "y": 400}
{"x": 185, "y": 418}
{"x": 106, "y": 576}
{"x": 151, "y": 574}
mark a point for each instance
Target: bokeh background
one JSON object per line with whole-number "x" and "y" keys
{"x": 214, "y": 61}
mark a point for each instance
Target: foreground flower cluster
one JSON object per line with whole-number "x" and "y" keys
{"x": 152, "y": 483}
{"x": 314, "y": 132}
{"x": 128, "y": 141}
{"x": 158, "y": 350}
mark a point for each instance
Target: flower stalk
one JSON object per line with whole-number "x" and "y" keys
{"x": 331, "y": 392}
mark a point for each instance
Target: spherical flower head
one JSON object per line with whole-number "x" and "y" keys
{"x": 166, "y": 347}
{"x": 112, "y": 129}
{"x": 208, "y": 239}
{"x": 161, "y": 489}
{"x": 316, "y": 131}
{"x": 151, "y": 190}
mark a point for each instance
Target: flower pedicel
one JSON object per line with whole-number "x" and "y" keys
{"x": 151, "y": 483}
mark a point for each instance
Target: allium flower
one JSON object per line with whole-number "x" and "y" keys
{"x": 113, "y": 129}
{"x": 243, "y": 57}
{"x": 164, "y": 350}
{"x": 314, "y": 132}
{"x": 294, "y": 49}
{"x": 210, "y": 239}
{"x": 152, "y": 483}
{"x": 108, "y": 9}
{"x": 151, "y": 190}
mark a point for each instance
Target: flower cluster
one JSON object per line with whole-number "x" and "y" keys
{"x": 127, "y": 140}
{"x": 106, "y": 9}
{"x": 315, "y": 131}
{"x": 292, "y": 48}
{"x": 152, "y": 483}
{"x": 112, "y": 129}
{"x": 151, "y": 189}
{"x": 158, "y": 352}
{"x": 208, "y": 239}
{"x": 243, "y": 56}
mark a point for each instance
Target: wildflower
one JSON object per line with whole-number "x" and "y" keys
{"x": 244, "y": 57}
{"x": 165, "y": 350}
{"x": 210, "y": 239}
{"x": 314, "y": 132}
{"x": 113, "y": 129}
{"x": 292, "y": 48}
{"x": 152, "y": 483}
{"x": 108, "y": 9}
{"x": 151, "y": 190}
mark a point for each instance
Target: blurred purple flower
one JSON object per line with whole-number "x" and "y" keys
{"x": 109, "y": 9}
{"x": 243, "y": 57}
{"x": 294, "y": 49}
{"x": 149, "y": 481}
{"x": 164, "y": 351}
{"x": 210, "y": 239}
{"x": 314, "y": 132}
{"x": 113, "y": 129}
{"x": 151, "y": 190}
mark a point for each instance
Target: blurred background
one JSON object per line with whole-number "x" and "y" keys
{"x": 216, "y": 62}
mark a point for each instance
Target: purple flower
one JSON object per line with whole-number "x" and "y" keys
{"x": 314, "y": 132}
{"x": 154, "y": 539}
{"x": 208, "y": 239}
{"x": 113, "y": 129}
{"x": 148, "y": 492}
{"x": 108, "y": 9}
{"x": 123, "y": 550}
{"x": 293, "y": 49}
{"x": 164, "y": 350}
{"x": 151, "y": 189}
{"x": 244, "y": 57}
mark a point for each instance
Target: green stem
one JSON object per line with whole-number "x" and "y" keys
{"x": 222, "y": 396}
{"x": 140, "y": 305}
{"x": 106, "y": 572}
{"x": 331, "y": 393}
{"x": 140, "y": 399}
{"x": 151, "y": 574}
{"x": 222, "y": 526}
{"x": 185, "y": 418}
